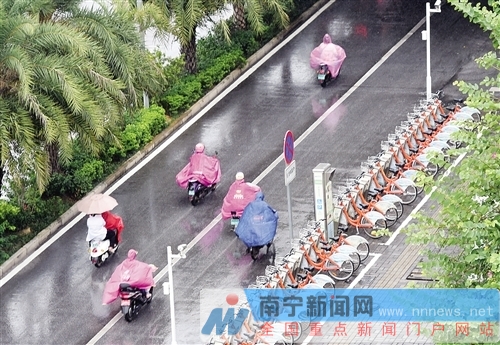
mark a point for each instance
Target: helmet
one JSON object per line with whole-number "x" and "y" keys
{"x": 199, "y": 148}
{"x": 239, "y": 176}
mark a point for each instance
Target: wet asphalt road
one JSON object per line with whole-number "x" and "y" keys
{"x": 56, "y": 299}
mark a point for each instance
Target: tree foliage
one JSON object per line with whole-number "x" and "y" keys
{"x": 466, "y": 232}
{"x": 66, "y": 72}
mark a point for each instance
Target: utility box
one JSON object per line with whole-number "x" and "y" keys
{"x": 323, "y": 197}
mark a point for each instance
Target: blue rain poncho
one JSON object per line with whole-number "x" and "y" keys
{"x": 258, "y": 223}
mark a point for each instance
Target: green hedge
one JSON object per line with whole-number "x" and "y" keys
{"x": 191, "y": 88}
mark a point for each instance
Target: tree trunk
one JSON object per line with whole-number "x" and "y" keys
{"x": 53, "y": 151}
{"x": 2, "y": 173}
{"x": 239, "y": 17}
{"x": 189, "y": 52}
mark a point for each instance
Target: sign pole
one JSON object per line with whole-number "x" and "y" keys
{"x": 289, "y": 214}
{"x": 290, "y": 172}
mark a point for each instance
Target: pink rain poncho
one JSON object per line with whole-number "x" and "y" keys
{"x": 136, "y": 273}
{"x": 205, "y": 169}
{"x": 328, "y": 53}
{"x": 240, "y": 194}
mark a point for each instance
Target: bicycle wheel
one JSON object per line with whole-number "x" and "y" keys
{"x": 370, "y": 229}
{"x": 363, "y": 250}
{"x": 432, "y": 169}
{"x": 343, "y": 273}
{"x": 409, "y": 194}
{"x": 399, "y": 208}
{"x": 286, "y": 339}
{"x": 356, "y": 260}
{"x": 305, "y": 322}
{"x": 391, "y": 216}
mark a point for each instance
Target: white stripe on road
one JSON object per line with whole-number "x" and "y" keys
{"x": 420, "y": 204}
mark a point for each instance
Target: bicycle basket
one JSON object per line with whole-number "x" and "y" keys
{"x": 305, "y": 233}
{"x": 270, "y": 270}
{"x": 365, "y": 167}
{"x": 352, "y": 182}
{"x": 400, "y": 130}
{"x": 385, "y": 146}
{"x": 296, "y": 245}
{"x": 393, "y": 137}
{"x": 254, "y": 286}
{"x": 262, "y": 280}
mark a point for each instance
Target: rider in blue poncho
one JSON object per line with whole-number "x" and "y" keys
{"x": 258, "y": 224}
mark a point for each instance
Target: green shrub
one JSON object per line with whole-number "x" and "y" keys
{"x": 88, "y": 175}
{"x": 7, "y": 212}
{"x": 142, "y": 126}
{"x": 191, "y": 88}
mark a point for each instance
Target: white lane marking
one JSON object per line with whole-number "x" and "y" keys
{"x": 420, "y": 204}
{"x": 351, "y": 286}
{"x": 160, "y": 148}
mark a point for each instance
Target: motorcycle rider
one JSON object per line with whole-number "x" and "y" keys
{"x": 329, "y": 54}
{"x": 96, "y": 229}
{"x": 132, "y": 271}
{"x": 240, "y": 194}
{"x": 201, "y": 167}
{"x": 114, "y": 222}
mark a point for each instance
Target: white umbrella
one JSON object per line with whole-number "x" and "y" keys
{"x": 96, "y": 203}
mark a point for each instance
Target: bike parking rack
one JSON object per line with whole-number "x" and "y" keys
{"x": 297, "y": 261}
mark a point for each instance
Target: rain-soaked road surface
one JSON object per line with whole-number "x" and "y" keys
{"x": 56, "y": 299}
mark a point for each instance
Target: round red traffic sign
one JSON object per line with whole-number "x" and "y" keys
{"x": 288, "y": 147}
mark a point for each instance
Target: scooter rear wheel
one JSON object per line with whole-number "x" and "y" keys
{"x": 150, "y": 298}
{"x": 98, "y": 263}
{"x": 129, "y": 316}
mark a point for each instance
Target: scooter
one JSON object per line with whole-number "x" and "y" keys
{"x": 99, "y": 251}
{"x": 133, "y": 299}
{"x": 324, "y": 75}
{"x": 198, "y": 191}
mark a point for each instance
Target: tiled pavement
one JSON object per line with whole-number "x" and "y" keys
{"x": 391, "y": 269}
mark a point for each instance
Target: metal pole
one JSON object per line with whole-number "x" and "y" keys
{"x": 171, "y": 286}
{"x": 289, "y": 213}
{"x": 145, "y": 97}
{"x": 428, "y": 39}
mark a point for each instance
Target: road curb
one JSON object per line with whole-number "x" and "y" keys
{"x": 72, "y": 212}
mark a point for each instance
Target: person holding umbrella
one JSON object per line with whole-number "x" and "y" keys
{"x": 94, "y": 205}
{"x": 96, "y": 229}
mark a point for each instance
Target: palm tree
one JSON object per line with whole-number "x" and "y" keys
{"x": 73, "y": 75}
{"x": 181, "y": 18}
{"x": 253, "y": 11}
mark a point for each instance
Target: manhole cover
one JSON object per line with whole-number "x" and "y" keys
{"x": 416, "y": 274}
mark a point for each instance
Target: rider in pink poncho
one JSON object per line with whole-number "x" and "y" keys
{"x": 240, "y": 194}
{"x": 205, "y": 169}
{"x": 134, "y": 272}
{"x": 328, "y": 53}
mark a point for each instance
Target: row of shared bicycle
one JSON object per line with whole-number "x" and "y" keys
{"x": 314, "y": 262}
{"x": 373, "y": 201}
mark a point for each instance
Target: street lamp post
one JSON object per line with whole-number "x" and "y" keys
{"x": 168, "y": 287}
{"x": 426, "y": 36}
